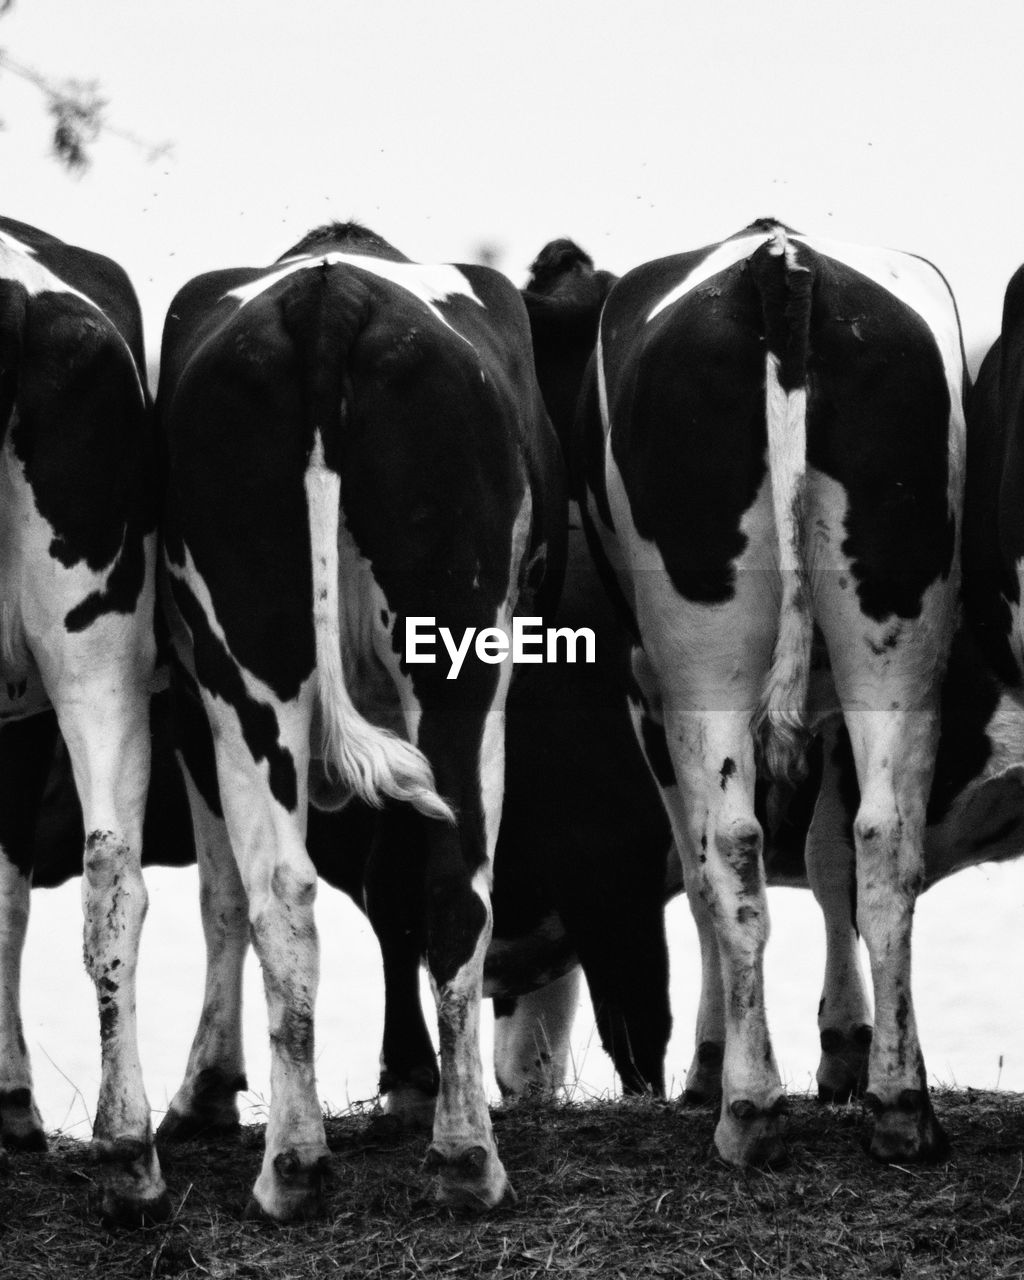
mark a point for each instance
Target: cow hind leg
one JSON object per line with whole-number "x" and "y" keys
{"x": 462, "y": 1153}
{"x": 409, "y": 1076}
{"x": 886, "y": 676}
{"x": 712, "y": 814}
{"x": 893, "y": 753}
{"x": 205, "y": 1105}
{"x": 280, "y": 883}
{"x": 21, "y": 1126}
{"x": 296, "y": 1160}
{"x": 107, "y": 734}
{"x": 704, "y": 1078}
{"x": 26, "y": 752}
{"x": 393, "y": 893}
{"x": 844, "y": 1013}
{"x": 647, "y": 940}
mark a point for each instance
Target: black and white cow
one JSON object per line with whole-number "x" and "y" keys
{"x": 774, "y": 452}
{"x": 994, "y": 515}
{"x": 353, "y": 440}
{"x": 975, "y": 808}
{"x": 77, "y": 551}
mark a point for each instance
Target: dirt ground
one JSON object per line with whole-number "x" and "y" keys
{"x": 628, "y": 1188}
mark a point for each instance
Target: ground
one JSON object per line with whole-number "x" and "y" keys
{"x": 628, "y": 1188}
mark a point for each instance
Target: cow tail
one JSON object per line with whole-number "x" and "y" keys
{"x": 371, "y": 760}
{"x": 784, "y": 277}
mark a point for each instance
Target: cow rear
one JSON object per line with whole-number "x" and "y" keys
{"x": 77, "y": 553}
{"x": 781, "y": 443}
{"x": 355, "y": 440}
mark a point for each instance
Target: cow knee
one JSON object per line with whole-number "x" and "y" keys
{"x": 738, "y": 841}
{"x": 890, "y": 868}
{"x": 283, "y": 916}
{"x": 876, "y": 826}
{"x": 458, "y": 917}
{"x": 104, "y": 859}
{"x": 739, "y": 837}
{"x": 14, "y": 909}
{"x": 113, "y": 881}
{"x": 293, "y": 885}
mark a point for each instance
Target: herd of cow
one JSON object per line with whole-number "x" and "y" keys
{"x": 755, "y": 471}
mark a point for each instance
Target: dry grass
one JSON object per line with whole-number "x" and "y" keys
{"x": 627, "y": 1189}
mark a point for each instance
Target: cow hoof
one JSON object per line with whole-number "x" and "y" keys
{"x": 704, "y": 1079}
{"x": 209, "y": 1109}
{"x": 410, "y": 1106}
{"x": 527, "y": 1088}
{"x": 843, "y": 1068}
{"x": 290, "y": 1187}
{"x": 132, "y": 1191}
{"x": 126, "y": 1213}
{"x": 750, "y": 1135}
{"x": 834, "y": 1092}
{"x": 906, "y": 1131}
{"x": 24, "y": 1139}
{"x": 472, "y": 1178}
{"x": 21, "y": 1126}
{"x": 179, "y": 1126}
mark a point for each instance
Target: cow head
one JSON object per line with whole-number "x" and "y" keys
{"x": 564, "y": 296}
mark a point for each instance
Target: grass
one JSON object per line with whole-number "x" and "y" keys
{"x": 619, "y": 1189}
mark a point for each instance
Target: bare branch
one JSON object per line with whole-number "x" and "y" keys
{"x": 78, "y": 113}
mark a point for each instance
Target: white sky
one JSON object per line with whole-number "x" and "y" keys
{"x": 639, "y": 129}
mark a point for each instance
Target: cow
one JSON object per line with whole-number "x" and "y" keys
{"x": 993, "y": 526}
{"x": 577, "y": 795}
{"x": 352, "y": 441}
{"x": 77, "y": 558}
{"x": 975, "y": 808}
{"x": 773, "y": 440}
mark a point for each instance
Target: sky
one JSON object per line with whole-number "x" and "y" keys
{"x": 639, "y": 130}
